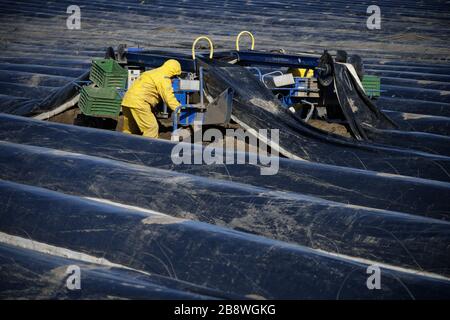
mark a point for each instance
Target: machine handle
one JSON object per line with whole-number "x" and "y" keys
{"x": 263, "y": 77}
{"x": 239, "y": 37}
{"x": 211, "y": 47}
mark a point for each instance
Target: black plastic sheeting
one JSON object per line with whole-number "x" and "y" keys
{"x": 334, "y": 227}
{"x": 238, "y": 206}
{"x": 358, "y": 109}
{"x": 203, "y": 255}
{"x": 413, "y": 60}
{"x": 30, "y": 274}
{"x": 339, "y": 184}
{"x": 256, "y": 107}
{"x": 216, "y": 250}
{"x": 370, "y": 123}
{"x": 50, "y": 102}
{"x": 413, "y": 106}
{"x": 421, "y": 122}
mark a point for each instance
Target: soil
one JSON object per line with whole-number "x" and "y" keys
{"x": 335, "y": 128}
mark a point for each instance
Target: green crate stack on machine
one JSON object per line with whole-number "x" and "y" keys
{"x": 102, "y": 98}
{"x": 372, "y": 86}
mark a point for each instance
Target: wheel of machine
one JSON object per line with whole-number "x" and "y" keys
{"x": 325, "y": 69}
{"x": 341, "y": 56}
{"x": 121, "y": 52}
{"x": 109, "y": 54}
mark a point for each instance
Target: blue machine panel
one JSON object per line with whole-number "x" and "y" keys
{"x": 187, "y": 115}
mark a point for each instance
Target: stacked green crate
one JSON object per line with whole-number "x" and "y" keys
{"x": 107, "y": 73}
{"x": 372, "y": 86}
{"x": 100, "y": 102}
{"x": 101, "y": 99}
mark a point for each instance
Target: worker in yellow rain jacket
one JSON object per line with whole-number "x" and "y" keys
{"x": 144, "y": 94}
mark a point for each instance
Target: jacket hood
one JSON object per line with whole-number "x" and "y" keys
{"x": 171, "y": 68}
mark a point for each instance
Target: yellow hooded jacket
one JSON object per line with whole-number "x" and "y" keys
{"x": 152, "y": 86}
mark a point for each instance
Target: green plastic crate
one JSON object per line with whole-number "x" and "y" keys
{"x": 107, "y": 73}
{"x": 372, "y": 86}
{"x": 100, "y": 102}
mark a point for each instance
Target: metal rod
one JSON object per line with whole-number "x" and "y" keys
{"x": 201, "y": 87}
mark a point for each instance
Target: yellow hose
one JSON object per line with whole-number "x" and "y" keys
{"x": 239, "y": 37}
{"x": 211, "y": 47}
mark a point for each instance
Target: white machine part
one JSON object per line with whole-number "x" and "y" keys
{"x": 283, "y": 80}
{"x": 189, "y": 85}
{"x": 133, "y": 74}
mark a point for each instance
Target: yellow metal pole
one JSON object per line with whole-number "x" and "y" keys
{"x": 239, "y": 37}
{"x": 211, "y": 46}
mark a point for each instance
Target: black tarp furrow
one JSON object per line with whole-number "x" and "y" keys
{"x": 408, "y": 240}
{"x": 408, "y": 63}
{"x": 415, "y": 93}
{"x": 48, "y": 102}
{"x": 43, "y": 69}
{"x": 426, "y": 142}
{"x": 16, "y": 105}
{"x": 414, "y": 106}
{"x": 25, "y": 90}
{"x": 422, "y": 123}
{"x": 172, "y": 11}
{"x": 233, "y": 8}
{"x": 410, "y": 75}
{"x": 445, "y": 70}
{"x": 33, "y": 79}
{"x": 29, "y": 274}
{"x": 340, "y": 184}
{"x": 197, "y": 253}
{"x": 55, "y": 62}
{"x": 7, "y": 100}
{"x": 23, "y": 49}
{"x": 415, "y": 84}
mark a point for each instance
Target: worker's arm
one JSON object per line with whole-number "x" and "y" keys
{"x": 165, "y": 90}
